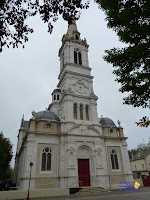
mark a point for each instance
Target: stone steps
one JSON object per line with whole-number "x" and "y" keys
{"x": 90, "y": 190}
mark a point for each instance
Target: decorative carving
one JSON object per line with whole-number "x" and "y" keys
{"x": 71, "y": 149}
{"x": 22, "y": 122}
{"x": 119, "y": 122}
{"x": 72, "y": 128}
{"x": 33, "y": 114}
{"x": 64, "y": 91}
{"x": 94, "y": 129}
{"x": 99, "y": 150}
{"x": 71, "y": 159}
{"x": 93, "y": 96}
{"x": 99, "y": 160}
{"x": 83, "y": 152}
{"x": 69, "y": 89}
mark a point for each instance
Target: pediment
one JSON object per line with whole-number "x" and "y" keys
{"x": 93, "y": 96}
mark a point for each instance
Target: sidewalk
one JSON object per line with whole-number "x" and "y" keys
{"x": 113, "y": 192}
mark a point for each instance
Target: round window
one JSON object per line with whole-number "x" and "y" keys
{"x": 111, "y": 131}
{"x": 48, "y": 126}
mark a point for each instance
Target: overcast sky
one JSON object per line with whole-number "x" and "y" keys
{"x": 28, "y": 76}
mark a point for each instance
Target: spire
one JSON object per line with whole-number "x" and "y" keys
{"x": 72, "y": 35}
{"x": 72, "y": 28}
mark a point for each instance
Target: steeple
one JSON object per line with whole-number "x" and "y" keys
{"x": 72, "y": 29}
{"x": 72, "y": 35}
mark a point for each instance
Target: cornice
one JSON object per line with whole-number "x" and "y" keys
{"x": 73, "y": 64}
{"x": 73, "y": 73}
{"x": 65, "y": 39}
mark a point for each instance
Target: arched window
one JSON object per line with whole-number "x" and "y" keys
{"x": 54, "y": 97}
{"x": 81, "y": 112}
{"x": 75, "y": 111}
{"x": 77, "y": 37}
{"x": 114, "y": 159}
{"x": 77, "y": 57}
{"x": 46, "y": 159}
{"x": 87, "y": 112}
{"x": 57, "y": 96}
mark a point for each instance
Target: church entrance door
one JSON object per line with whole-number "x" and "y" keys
{"x": 83, "y": 172}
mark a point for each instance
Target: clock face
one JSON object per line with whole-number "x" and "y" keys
{"x": 80, "y": 88}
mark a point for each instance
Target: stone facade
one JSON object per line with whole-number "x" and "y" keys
{"x": 71, "y": 130}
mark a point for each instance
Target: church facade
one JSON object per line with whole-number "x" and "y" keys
{"x": 68, "y": 144}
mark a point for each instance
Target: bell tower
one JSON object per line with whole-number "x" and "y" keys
{"x": 78, "y": 101}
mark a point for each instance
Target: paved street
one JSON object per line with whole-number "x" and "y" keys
{"x": 129, "y": 196}
{"x": 143, "y": 194}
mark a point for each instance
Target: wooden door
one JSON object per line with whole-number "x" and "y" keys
{"x": 83, "y": 172}
{"x": 146, "y": 180}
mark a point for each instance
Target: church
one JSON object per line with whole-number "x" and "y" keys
{"x": 68, "y": 144}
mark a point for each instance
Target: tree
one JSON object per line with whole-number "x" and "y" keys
{"x": 14, "y": 14}
{"x": 6, "y": 155}
{"x": 130, "y": 19}
{"x": 144, "y": 122}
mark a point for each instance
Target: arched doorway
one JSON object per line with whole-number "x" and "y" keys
{"x": 83, "y": 160}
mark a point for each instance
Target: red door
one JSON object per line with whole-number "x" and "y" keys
{"x": 146, "y": 180}
{"x": 83, "y": 172}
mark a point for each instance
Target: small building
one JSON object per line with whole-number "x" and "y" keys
{"x": 140, "y": 164}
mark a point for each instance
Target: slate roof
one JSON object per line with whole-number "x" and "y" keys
{"x": 56, "y": 90}
{"x": 106, "y": 122}
{"x": 142, "y": 154}
{"x": 46, "y": 115}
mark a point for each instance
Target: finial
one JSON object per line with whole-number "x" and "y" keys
{"x": 119, "y": 122}
{"x": 33, "y": 114}
{"x": 22, "y": 121}
{"x": 72, "y": 20}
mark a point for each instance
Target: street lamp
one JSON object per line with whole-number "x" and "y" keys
{"x": 31, "y": 164}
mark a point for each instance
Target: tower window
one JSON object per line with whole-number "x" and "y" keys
{"x": 77, "y": 38}
{"x": 114, "y": 159}
{"x": 54, "y": 97}
{"x": 87, "y": 112}
{"x": 77, "y": 57}
{"x": 75, "y": 111}
{"x": 81, "y": 112}
{"x": 46, "y": 159}
{"x": 57, "y": 96}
